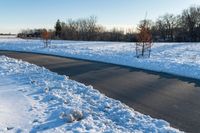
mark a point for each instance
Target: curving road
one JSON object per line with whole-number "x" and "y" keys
{"x": 172, "y": 98}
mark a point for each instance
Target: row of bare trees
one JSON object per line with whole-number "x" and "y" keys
{"x": 183, "y": 27}
{"x": 87, "y": 29}
{"x": 167, "y": 28}
{"x": 81, "y": 29}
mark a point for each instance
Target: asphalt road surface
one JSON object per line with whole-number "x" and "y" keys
{"x": 169, "y": 97}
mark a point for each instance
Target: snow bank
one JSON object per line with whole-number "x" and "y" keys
{"x": 58, "y": 104}
{"x": 176, "y": 58}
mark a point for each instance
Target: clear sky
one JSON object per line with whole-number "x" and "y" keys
{"x": 21, "y": 14}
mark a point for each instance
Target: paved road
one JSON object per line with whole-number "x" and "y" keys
{"x": 172, "y": 98}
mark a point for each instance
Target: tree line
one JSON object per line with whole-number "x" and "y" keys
{"x": 184, "y": 27}
{"x": 180, "y": 28}
{"x": 88, "y": 30}
{"x": 84, "y": 29}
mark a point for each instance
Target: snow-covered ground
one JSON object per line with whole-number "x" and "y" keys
{"x": 34, "y": 99}
{"x": 176, "y": 58}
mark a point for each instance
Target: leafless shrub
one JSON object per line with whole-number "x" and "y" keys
{"x": 143, "y": 46}
{"x": 46, "y": 37}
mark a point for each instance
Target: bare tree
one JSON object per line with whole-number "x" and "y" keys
{"x": 143, "y": 46}
{"x": 165, "y": 25}
{"x": 46, "y": 37}
{"x": 92, "y": 27}
{"x": 170, "y": 24}
{"x": 191, "y": 21}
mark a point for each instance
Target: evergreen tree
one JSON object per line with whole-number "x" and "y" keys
{"x": 58, "y": 29}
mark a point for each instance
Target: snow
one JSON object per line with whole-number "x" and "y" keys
{"x": 34, "y": 99}
{"x": 13, "y": 106}
{"x": 176, "y": 58}
{"x": 7, "y": 36}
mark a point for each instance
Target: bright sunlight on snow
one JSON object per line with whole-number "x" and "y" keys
{"x": 176, "y": 58}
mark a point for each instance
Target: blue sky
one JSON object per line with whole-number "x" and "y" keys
{"x": 21, "y": 14}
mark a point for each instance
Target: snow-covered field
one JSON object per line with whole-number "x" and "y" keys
{"x": 176, "y": 58}
{"x": 33, "y": 99}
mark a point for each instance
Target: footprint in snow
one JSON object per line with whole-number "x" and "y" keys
{"x": 10, "y": 128}
{"x": 36, "y": 98}
{"x": 35, "y": 120}
{"x": 22, "y": 90}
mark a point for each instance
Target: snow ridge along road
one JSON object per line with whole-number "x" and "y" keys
{"x": 34, "y": 99}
